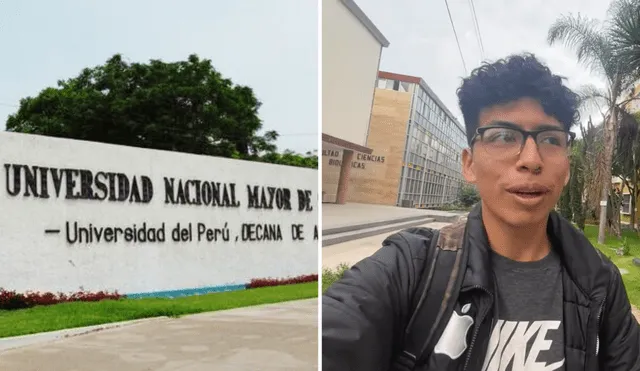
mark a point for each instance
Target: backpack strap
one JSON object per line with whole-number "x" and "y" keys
{"x": 438, "y": 289}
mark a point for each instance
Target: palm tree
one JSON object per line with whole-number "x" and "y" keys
{"x": 625, "y": 31}
{"x": 595, "y": 49}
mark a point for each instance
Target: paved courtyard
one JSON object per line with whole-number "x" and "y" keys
{"x": 334, "y": 215}
{"x": 353, "y": 251}
{"x": 277, "y": 337}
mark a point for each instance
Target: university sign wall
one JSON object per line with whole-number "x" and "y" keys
{"x": 80, "y": 215}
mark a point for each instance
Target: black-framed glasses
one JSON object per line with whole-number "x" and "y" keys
{"x": 507, "y": 139}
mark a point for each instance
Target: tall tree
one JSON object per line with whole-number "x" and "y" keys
{"x": 185, "y": 106}
{"x": 591, "y": 154}
{"x": 576, "y": 184}
{"x": 565, "y": 203}
{"x": 625, "y": 164}
{"x": 594, "y": 47}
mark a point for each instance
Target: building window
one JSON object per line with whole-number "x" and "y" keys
{"x": 625, "y": 208}
{"x": 390, "y": 84}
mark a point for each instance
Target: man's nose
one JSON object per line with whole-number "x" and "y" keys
{"x": 530, "y": 158}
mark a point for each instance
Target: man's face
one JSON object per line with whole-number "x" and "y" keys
{"x": 518, "y": 189}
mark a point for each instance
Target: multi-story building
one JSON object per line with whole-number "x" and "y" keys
{"x": 352, "y": 46}
{"x": 416, "y": 147}
{"x": 432, "y": 171}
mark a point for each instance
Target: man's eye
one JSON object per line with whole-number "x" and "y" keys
{"x": 505, "y": 136}
{"x": 554, "y": 139}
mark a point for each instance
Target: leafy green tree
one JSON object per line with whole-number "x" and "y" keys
{"x": 625, "y": 161}
{"x": 310, "y": 159}
{"x": 565, "y": 203}
{"x": 576, "y": 185}
{"x": 591, "y": 144}
{"x": 468, "y": 195}
{"x": 184, "y": 106}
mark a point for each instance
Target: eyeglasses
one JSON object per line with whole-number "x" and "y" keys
{"x": 506, "y": 139}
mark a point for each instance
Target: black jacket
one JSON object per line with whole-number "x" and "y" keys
{"x": 365, "y": 313}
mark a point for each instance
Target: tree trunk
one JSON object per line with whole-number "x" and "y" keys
{"x": 633, "y": 194}
{"x": 613, "y": 217}
{"x": 609, "y": 143}
{"x": 576, "y": 186}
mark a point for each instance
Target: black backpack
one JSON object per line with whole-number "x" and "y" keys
{"x": 440, "y": 282}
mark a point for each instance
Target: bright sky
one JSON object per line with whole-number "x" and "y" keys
{"x": 268, "y": 45}
{"x": 423, "y": 43}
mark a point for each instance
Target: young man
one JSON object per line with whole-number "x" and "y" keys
{"x": 532, "y": 293}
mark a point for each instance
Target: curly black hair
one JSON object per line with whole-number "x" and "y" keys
{"x": 513, "y": 78}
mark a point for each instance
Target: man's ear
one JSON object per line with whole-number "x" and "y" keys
{"x": 566, "y": 180}
{"x": 467, "y": 166}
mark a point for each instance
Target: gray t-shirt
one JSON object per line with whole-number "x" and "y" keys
{"x": 528, "y": 331}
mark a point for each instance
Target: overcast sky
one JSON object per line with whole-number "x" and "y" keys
{"x": 423, "y": 43}
{"x": 269, "y": 45}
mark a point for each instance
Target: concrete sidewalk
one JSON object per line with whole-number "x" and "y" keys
{"x": 352, "y": 252}
{"x": 272, "y": 337}
{"x": 334, "y": 215}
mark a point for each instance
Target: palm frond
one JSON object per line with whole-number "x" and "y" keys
{"x": 592, "y": 97}
{"x": 587, "y": 38}
{"x": 624, "y": 32}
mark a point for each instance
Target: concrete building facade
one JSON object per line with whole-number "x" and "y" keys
{"x": 416, "y": 145}
{"x": 352, "y": 46}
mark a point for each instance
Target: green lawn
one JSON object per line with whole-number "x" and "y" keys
{"x": 78, "y": 314}
{"x": 632, "y": 279}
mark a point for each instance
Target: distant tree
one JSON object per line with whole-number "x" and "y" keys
{"x": 288, "y": 157}
{"x": 565, "y": 203}
{"x": 571, "y": 204}
{"x": 468, "y": 195}
{"x": 184, "y": 106}
{"x": 576, "y": 185}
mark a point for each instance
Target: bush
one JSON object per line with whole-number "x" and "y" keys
{"x": 330, "y": 276}
{"x": 11, "y": 300}
{"x": 266, "y": 282}
{"x": 468, "y": 195}
{"x": 625, "y": 247}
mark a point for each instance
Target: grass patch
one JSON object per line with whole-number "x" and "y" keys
{"x": 79, "y": 314}
{"x": 329, "y": 276}
{"x": 631, "y": 279}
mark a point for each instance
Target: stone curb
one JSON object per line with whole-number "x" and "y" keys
{"x": 14, "y": 342}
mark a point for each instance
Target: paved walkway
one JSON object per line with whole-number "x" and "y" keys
{"x": 278, "y": 337}
{"x": 352, "y": 252}
{"x": 334, "y": 215}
